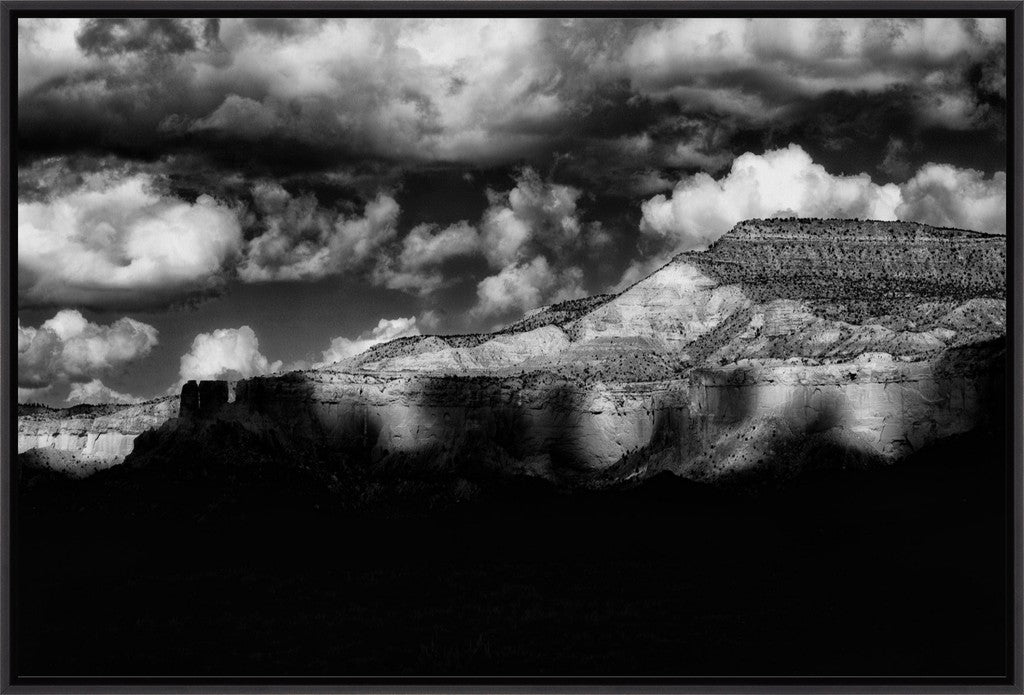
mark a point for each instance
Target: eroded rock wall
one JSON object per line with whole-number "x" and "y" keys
{"x": 709, "y": 424}
{"x": 84, "y": 439}
{"x": 786, "y": 343}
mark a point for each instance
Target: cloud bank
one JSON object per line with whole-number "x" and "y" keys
{"x": 324, "y": 94}
{"x": 116, "y": 241}
{"x": 69, "y": 349}
{"x": 945, "y": 196}
{"x": 786, "y": 182}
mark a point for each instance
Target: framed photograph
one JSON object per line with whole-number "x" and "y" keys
{"x": 488, "y": 346}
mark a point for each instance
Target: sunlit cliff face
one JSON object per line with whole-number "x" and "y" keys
{"x": 707, "y": 368}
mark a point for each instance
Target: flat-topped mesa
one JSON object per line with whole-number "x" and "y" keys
{"x": 855, "y": 260}
{"x": 894, "y": 275}
{"x": 787, "y": 337}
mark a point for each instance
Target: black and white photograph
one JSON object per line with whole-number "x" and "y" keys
{"x": 526, "y": 344}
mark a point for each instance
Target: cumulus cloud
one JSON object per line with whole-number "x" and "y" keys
{"x": 533, "y": 214}
{"x": 786, "y": 182}
{"x": 945, "y": 196}
{"x": 524, "y": 286}
{"x": 116, "y": 241}
{"x": 303, "y": 240}
{"x": 69, "y": 348}
{"x": 530, "y": 235}
{"x": 226, "y": 353}
{"x": 387, "y": 329}
{"x": 779, "y": 182}
{"x": 424, "y": 253}
{"x": 95, "y": 391}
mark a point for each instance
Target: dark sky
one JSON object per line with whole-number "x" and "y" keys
{"x": 207, "y": 198}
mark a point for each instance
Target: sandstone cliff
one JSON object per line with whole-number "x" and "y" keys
{"x": 86, "y": 438}
{"x": 788, "y": 344}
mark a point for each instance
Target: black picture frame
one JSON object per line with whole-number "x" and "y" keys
{"x": 1012, "y": 10}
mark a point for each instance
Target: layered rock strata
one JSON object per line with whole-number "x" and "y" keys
{"x": 86, "y": 438}
{"x": 789, "y": 343}
{"x": 786, "y": 341}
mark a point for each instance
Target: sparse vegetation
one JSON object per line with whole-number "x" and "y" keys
{"x": 857, "y": 262}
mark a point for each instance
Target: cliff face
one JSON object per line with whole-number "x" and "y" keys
{"x": 790, "y": 343}
{"x": 84, "y": 438}
{"x": 787, "y": 343}
{"x": 708, "y": 423}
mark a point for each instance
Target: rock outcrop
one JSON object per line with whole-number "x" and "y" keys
{"x": 86, "y": 438}
{"x": 788, "y": 344}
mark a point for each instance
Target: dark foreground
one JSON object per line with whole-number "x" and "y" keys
{"x": 895, "y": 572}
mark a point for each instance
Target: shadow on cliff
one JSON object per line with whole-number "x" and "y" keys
{"x": 223, "y": 549}
{"x": 988, "y": 359}
{"x": 749, "y": 453}
{"x": 560, "y": 425}
{"x": 482, "y": 429}
{"x": 894, "y": 570}
{"x": 471, "y": 428}
{"x": 271, "y": 447}
{"x": 278, "y": 443}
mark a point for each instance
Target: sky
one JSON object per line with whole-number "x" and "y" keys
{"x": 204, "y": 198}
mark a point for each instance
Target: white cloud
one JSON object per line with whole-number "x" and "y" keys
{"x": 504, "y": 235}
{"x": 786, "y": 182}
{"x": 226, "y": 353}
{"x": 524, "y": 286}
{"x": 418, "y": 266}
{"x": 115, "y": 241}
{"x": 95, "y": 391}
{"x": 440, "y": 89}
{"x": 535, "y": 213}
{"x": 426, "y": 246}
{"x": 779, "y": 182}
{"x": 945, "y": 196}
{"x": 69, "y": 348}
{"x": 387, "y": 329}
{"x": 304, "y": 241}
{"x": 521, "y": 232}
